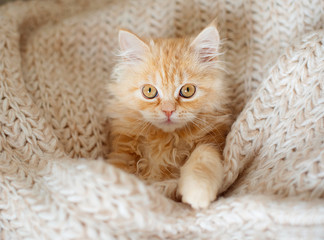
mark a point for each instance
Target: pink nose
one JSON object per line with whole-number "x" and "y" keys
{"x": 168, "y": 113}
{"x": 168, "y": 107}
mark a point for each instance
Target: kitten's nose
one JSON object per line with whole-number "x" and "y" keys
{"x": 168, "y": 113}
{"x": 168, "y": 108}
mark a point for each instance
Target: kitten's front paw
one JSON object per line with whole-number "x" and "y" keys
{"x": 196, "y": 193}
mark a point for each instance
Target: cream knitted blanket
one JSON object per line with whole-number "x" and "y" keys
{"x": 55, "y": 58}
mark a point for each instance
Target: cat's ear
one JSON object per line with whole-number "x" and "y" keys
{"x": 133, "y": 49}
{"x": 206, "y": 44}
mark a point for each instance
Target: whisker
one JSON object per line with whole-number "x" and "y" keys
{"x": 203, "y": 125}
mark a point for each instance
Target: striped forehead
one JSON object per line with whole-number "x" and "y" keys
{"x": 169, "y": 75}
{"x": 169, "y": 68}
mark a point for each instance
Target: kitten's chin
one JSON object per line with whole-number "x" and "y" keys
{"x": 169, "y": 126}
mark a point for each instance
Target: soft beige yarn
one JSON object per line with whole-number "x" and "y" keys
{"x": 55, "y": 57}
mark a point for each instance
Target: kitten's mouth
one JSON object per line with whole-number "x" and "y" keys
{"x": 170, "y": 125}
{"x": 168, "y": 121}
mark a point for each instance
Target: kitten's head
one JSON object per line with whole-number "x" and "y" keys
{"x": 168, "y": 82}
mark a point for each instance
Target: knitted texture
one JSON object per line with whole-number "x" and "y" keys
{"x": 55, "y": 59}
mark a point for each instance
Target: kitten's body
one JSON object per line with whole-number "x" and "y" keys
{"x": 171, "y": 136}
{"x": 158, "y": 155}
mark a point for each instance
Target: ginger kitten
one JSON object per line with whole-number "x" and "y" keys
{"x": 168, "y": 112}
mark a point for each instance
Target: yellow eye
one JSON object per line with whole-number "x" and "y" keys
{"x": 149, "y": 91}
{"x": 187, "y": 91}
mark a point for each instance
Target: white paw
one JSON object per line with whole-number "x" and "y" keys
{"x": 196, "y": 193}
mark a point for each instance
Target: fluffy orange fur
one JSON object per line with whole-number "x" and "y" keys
{"x": 170, "y": 136}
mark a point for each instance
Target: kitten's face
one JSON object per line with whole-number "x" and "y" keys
{"x": 169, "y": 102}
{"x": 171, "y": 81}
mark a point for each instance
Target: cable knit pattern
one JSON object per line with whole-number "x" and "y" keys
{"x": 55, "y": 59}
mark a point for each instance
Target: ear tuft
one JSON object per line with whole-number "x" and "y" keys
{"x": 206, "y": 44}
{"x": 133, "y": 49}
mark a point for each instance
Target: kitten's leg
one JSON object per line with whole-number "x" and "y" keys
{"x": 201, "y": 176}
{"x": 168, "y": 188}
{"x": 122, "y": 161}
